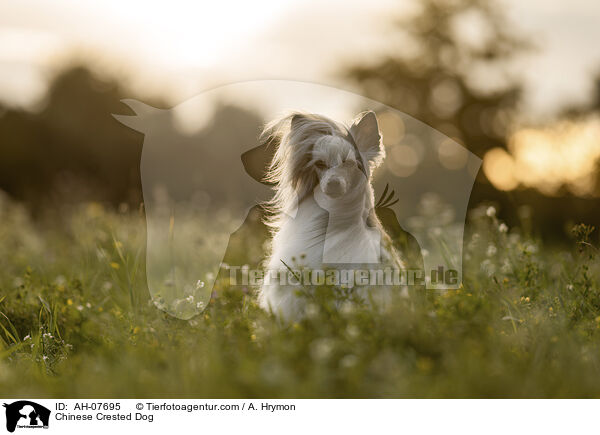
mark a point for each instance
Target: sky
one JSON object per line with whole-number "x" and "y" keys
{"x": 179, "y": 48}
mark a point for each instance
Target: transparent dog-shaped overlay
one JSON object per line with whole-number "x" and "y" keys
{"x": 191, "y": 209}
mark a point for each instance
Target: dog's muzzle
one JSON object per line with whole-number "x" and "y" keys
{"x": 335, "y": 187}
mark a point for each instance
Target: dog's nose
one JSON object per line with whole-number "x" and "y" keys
{"x": 334, "y": 187}
{"x": 334, "y": 183}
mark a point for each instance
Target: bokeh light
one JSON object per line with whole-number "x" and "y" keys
{"x": 564, "y": 154}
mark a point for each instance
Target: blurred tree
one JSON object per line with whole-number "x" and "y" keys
{"x": 573, "y": 111}
{"x": 596, "y": 103}
{"x": 74, "y": 150}
{"x": 449, "y": 71}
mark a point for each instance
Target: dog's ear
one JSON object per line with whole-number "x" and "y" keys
{"x": 297, "y": 120}
{"x": 257, "y": 160}
{"x": 365, "y": 132}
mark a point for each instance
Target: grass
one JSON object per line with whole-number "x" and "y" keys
{"x": 76, "y": 321}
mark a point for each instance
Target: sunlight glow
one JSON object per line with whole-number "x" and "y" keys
{"x": 191, "y": 34}
{"x": 565, "y": 154}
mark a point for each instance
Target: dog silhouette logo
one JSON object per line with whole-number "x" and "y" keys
{"x": 193, "y": 160}
{"x": 26, "y": 414}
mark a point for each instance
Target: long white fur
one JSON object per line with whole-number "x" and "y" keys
{"x": 323, "y": 188}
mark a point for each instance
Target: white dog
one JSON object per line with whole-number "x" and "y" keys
{"x": 323, "y": 208}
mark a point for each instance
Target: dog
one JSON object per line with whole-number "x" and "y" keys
{"x": 322, "y": 213}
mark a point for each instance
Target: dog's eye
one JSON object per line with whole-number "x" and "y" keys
{"x": 320, "y": 165}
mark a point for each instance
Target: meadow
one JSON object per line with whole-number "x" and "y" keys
{"x": 76, "y": 320}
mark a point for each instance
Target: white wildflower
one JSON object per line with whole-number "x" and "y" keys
{"x": 531, "y": 248}
{"x": 347, "y": 307}
{"x": 321, "y": 348}
{"x": 435, "y": 232}
{"x": 348, "y": 361}
{"x": 488, "y": 267}
{"x": 159, "y": 303}
{"x": 352, "y": 331}
{"x": 311, "y": 310}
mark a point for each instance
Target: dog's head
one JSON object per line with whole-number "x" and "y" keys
{"x": 313, "y": 149}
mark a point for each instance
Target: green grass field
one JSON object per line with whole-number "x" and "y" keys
{"x": 76, "y": 321}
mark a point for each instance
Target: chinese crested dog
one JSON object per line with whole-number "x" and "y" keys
{"x": 322, "y": 214}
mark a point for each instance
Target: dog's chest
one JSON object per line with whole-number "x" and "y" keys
{"x": 311, "y": 238}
